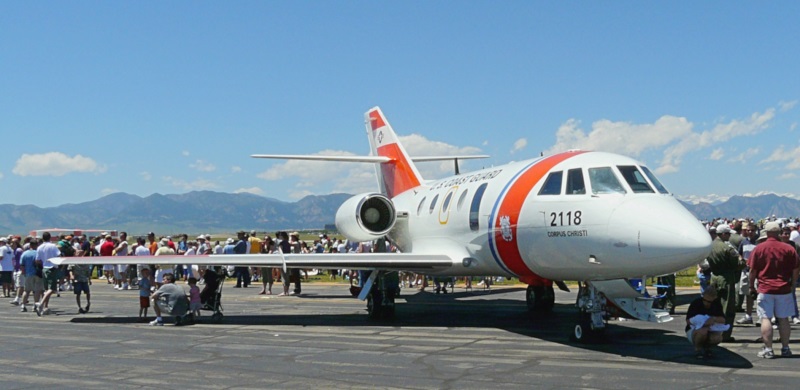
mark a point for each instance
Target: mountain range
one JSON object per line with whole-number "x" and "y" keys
{"x": 216, "y": 212}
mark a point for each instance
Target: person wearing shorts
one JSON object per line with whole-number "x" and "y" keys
{"x": 81, "y": 273}
{"x": 775, "y": 265}
{"x": 700, "y": 335}
{"x": 144, "y": 293}
{"x": 169, "y": 299}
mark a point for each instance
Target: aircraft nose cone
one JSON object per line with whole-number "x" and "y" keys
{"x": 668, "y": 237}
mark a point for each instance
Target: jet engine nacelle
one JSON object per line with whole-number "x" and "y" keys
{"x": 365, "y": 217}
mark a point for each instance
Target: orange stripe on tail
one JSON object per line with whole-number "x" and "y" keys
{"x": 399, "y": 174}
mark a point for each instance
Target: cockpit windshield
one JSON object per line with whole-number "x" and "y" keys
{"x": 654, "y": 180}
{"x": 604, "y": 181}
{"x": 635, "y": 179}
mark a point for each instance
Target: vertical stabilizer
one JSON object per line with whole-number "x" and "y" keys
{"x": 399, "y": 174}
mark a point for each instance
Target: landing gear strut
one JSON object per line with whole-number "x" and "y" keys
{"x": 540, "y": 298}
{"x": 382, "y": 291}
{"x": 591, "y": 314}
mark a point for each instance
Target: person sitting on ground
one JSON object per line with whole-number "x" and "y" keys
{"x": 169, "y": 299}
{"x": 703, "y": 313}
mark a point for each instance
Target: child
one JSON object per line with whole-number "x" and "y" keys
{"x": 144, "y": 294}
{"x": 194, "y": 297}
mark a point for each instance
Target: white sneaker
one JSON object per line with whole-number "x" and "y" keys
{"x": 46, "y": 311}
{"x": 125, "y": 286}
{"x": 156, "y": 323}
{"x": 38, "y": 309}
{"x": 23, "y": 309}
{"x": 796, "y": 321}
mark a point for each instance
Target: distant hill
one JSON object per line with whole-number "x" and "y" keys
{"x": 212, "y": 212}
{"x": 755, "y": 207}
{"x": 193, "y": 212}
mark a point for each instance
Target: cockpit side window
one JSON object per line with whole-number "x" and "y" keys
{"x": 604, "y": 181}
{"x": 575, "y": 184}
{"x": 474, "y": 208}
{"x": 552, "y": 185}
{"x": 635, "y": 179}
{"x": 654, "y": 180}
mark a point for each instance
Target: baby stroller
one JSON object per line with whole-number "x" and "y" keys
{"x": 211, "y": 296}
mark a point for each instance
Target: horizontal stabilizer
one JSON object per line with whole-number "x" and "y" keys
{"x": 364, "y": 159}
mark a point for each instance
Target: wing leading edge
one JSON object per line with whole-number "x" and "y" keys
{"x": 380, "y": 261}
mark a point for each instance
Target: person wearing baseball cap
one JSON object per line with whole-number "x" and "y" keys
{"x": 726, "y": 266}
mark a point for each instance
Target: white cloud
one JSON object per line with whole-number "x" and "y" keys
{"x": 55, "y": 164}
{"x": 251, "y": 190}
{"x": 621, "y": 137}
{"x": 717, "y": 154}
{"x": 745, "y": 156}
{"x": 787, "y": 176}
{"x": 146, "y": 176}
{"x": 781, "y": 155}
{"x": 519, "y": 145}
{"x": 199, "y": 184}
{"x": 108, "y": 191}
{"x": 185, "y": 153}
{"x": 786, "y": 106}
{"x": 203, "y": 166}
{"x": 722, "y": 132}
{"x": 236, "y": 169}
{"x": 793, "y": 126}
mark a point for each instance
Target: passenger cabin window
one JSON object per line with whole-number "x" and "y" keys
{"x": 474, "y": 209}
{"x": 461, "y": 199}
{"x": 446, "y": 202}
{"x": 635, "y": 179}
{"x": 654, "y": 180}
{"x": 575, "y": 184}
{"x": 604, "y": 181}
{"x": 421, "y": 206}
{"x": 552, "y": 185}
{"x": 433, "y": 204}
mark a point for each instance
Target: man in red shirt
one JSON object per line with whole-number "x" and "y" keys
{"x": 775, "y": 265}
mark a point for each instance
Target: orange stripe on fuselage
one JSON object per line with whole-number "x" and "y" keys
{"x": 511, "y": 205}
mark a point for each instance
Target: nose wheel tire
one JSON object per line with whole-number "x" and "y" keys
{"x": 584, "y": 332}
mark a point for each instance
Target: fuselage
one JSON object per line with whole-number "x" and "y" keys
{"x": 571, "y": 216}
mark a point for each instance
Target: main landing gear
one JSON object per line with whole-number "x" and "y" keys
{"x": 591, "y": 314}
{"x": 540, "y": 298}
{"x": 380, "y": 290}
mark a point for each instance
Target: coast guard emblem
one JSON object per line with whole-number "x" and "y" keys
{"x": 505, "y": 227}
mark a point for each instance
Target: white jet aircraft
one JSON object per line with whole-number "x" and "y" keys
{"x": 598, "y": 218}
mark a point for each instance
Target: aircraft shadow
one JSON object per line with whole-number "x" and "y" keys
{"x": 648, "y": 341}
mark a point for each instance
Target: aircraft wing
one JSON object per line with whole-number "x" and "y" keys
{"x": 383, "y": 261}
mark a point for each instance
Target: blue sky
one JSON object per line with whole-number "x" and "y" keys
{"x": 155, "y": 97}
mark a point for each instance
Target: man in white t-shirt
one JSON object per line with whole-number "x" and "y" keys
{"x": 44, "y": 253}
{"x": 795, "y": 234}
{"x": 6, "y": 267}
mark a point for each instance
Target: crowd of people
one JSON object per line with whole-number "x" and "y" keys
{"x": 28, "y": 275}
{"x": 751, "y": 264}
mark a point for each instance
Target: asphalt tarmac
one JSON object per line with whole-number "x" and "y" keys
{"x": 323, "y": 339}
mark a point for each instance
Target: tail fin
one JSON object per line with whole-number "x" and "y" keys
{"x": 399, "y": 174}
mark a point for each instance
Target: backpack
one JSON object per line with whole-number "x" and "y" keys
{"x": 66, "y": 249}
